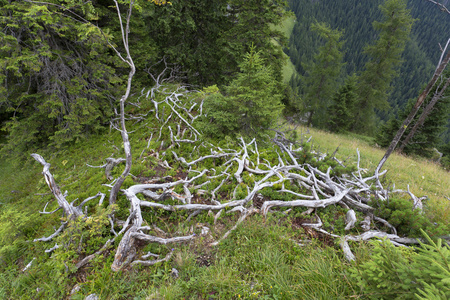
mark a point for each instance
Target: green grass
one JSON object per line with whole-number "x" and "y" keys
{"x": 288, "y": 69}
{"x": 288, "y": 25}
{"x": 286, "y": 28}
{"x": 261, "y": 260}
{"x": 425, "y": 178}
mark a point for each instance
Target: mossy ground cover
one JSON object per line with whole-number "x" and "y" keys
{"x": 265, "y": 258}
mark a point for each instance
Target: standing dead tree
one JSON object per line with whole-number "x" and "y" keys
{"x": 441, "y": 6}
{"x": 444, "y": 60}
{"x": 426, "y": 111}
{"x": 125, "y": 30}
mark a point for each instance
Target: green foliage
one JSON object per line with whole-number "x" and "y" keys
{"x": 55, "y": 79}
{"x": 259, "y": 261}
{"x": 400, "y": 273}
{"x": 321, "y": 77}
{"x": 429, "y": 135}
{"x": 387, "y": 275}
{"x": 385, "y": 57}
{"x": 355, "y": 17}
{"x": 250, "y": 104}
{"x": 408, "y": 221}
{"x": 197, "y": 35}
{"x": 318, "y": 160}
{"x": 342, "y": 110}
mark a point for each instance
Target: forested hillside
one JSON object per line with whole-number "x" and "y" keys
{"x": 355, "y": 19}
{"x": 59, "y": 83}
{"x": 411, "y": 70}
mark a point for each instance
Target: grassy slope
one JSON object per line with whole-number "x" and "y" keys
{"x": 286, "y": 28}
{"x": 422, "y": 176}
{"x": 259, "y": 260}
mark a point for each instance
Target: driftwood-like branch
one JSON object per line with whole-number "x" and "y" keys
{"x": 125, "y": 30}
{"x": 303, "y": 203}
{"x": 69, "y": 209}
{"x": 49, "y": 238}
{"x": 350, "y": 219}
{"x": 244, "y": 214}
{"x": 199, "y": 190}
{"x": 152, "y": 262}
{"x": 441, "y": 6}
{"x": 445, "y": 59}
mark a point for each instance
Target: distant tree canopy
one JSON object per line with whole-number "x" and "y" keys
{"x": 322, "y": 75}
{"x": 59, "y": 79}
{"x": 355, "y": 18}
{"x": 384, "y": 60}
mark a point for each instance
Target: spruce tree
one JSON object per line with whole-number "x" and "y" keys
{"x": 322, "y": 75}
{"x": 384, "y": 59}
{"x": 57, "y": 78}
{"x": 342, "y": 109}
{"x": 249, "y": 105}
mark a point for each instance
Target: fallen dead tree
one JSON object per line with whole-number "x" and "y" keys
{"x": 245, "y": 170}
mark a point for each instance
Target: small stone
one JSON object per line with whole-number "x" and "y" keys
{"x": 91, "y": 297}
{"x": 75, "y": 289}
{"x": 175, "y": 273}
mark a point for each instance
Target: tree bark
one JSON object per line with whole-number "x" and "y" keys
{"x": 69, "y": 209}
{"x": 126, "y": 143}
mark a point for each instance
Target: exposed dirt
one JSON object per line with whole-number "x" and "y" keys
{"x": 259, "y": 200}
{"x": 204, "y": 259}
{"x": 325, "y": 239}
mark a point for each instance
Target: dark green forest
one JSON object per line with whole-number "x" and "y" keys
{"x": 416, "y": 63}
{"x": 59, "y": 81}
{"x": 355, "y": 19}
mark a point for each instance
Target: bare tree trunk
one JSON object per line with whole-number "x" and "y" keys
{"x": 69, "y": 209}
{"x": 442, "y": 6}
{"x": 424, "y": 115}
{"x": 440, "y": 68}
{"x": 126, "y": 143}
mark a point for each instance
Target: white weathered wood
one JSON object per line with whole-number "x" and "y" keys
{"x": 304, "y": 203}
{"x": 70, "y": 210}
{"x": 350, "y": 219}
{"x": 152, "y": 262}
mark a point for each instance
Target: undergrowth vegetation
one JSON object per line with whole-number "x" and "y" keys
{"x": 272, "y": 257}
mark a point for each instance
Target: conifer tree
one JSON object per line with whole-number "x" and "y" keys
{"x": 342, "y": 109}
{"x": 384, "y": 59}
{"x": 321, "y": 75}
{"x": 250, "y": 104}
{"x": 57, "y": 79}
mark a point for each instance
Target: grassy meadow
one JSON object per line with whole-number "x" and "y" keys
{"x": 424, "y": 177}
